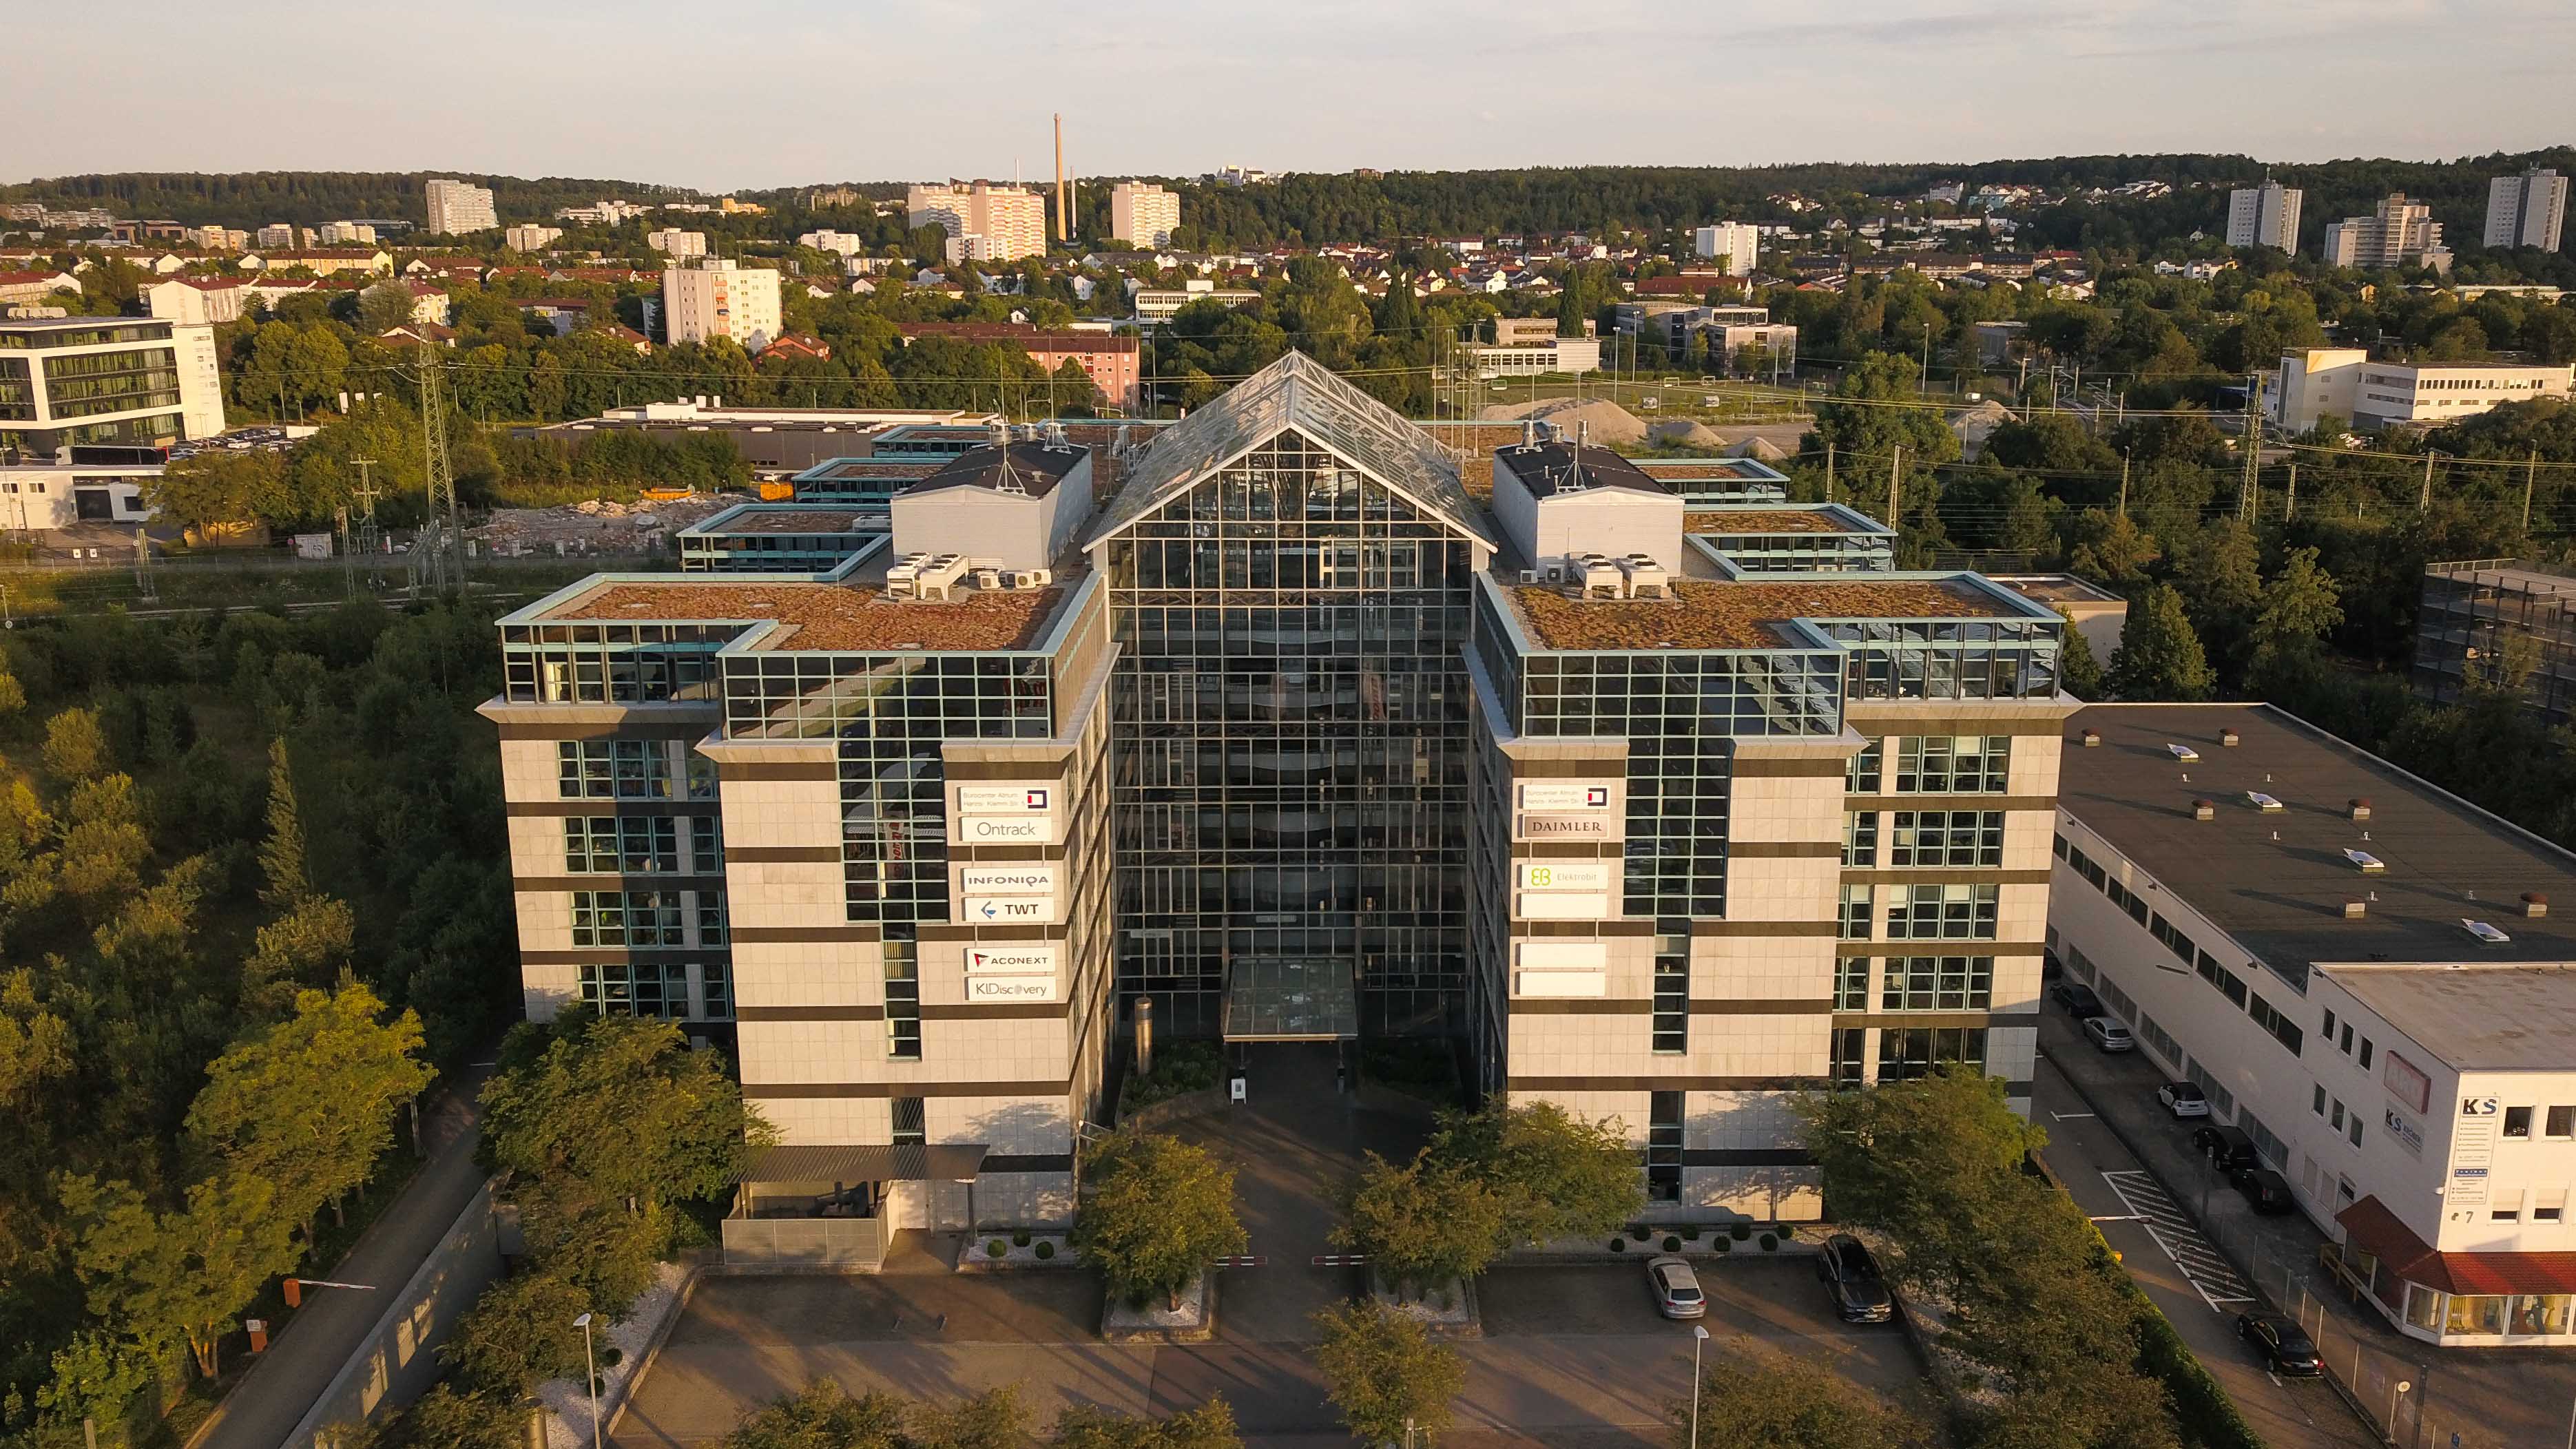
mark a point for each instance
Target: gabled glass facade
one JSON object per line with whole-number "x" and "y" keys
{"x": 1291, "y": 744}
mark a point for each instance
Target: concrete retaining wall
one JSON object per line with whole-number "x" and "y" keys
{"x": 396, "y": 1364}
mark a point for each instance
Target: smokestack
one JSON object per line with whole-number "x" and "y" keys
{"x": 1063, "y": 219}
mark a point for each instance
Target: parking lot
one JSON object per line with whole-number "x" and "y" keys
{"x": 1571, "y": 1353}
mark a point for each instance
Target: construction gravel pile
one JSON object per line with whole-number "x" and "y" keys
{"x": 1610, "y": 424}
{"x": 594, "y": 525}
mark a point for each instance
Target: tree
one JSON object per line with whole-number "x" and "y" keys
{"x": 444, "y": 1418}
{"x": 281, "y": 856}
{"x": 1937, "y": 1158}
{"x": 993, "y": 1419}
{"x": 2300, "y": 607}
{"x": 1424, "y": 1224}
{"x": 308, "y": 1103}
{"x": 1209, "y": 1426}
{"x": 178, "y": 1276}
{"x": 383, "y": 307}
{"x": 75, "y": 746}
{"x": 1160, "y": 1210}
{"x": 1557, "y": 1175}
{"x": 2078, "y": 672}
{"x": 519, "y": 1334}
{"x": 1385, "y": 1374}
{"x": 215, "y": 490}
{"x": 2109, "y": 547}
{"x": 622, "y": 1107}
{"x": 822, "y": 1415}
{"x": 1752, "y": 1397}
{"x": 2159, "y": 657}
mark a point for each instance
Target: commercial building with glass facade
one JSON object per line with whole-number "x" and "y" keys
{"x": 104, "y": 382}
{"x": 1288, "y": 742}
{"x": 2363, "y": 973}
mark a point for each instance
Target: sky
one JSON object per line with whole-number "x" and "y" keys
{"x": 727, "y": 94}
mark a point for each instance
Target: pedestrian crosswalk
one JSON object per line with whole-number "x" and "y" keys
{"x": 2202, "y": 1265}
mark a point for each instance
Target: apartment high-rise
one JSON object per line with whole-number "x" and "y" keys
{"x": 1732, "y": 245}
{"x": 1143, "y": 213}
{"x": 676, "y": 243}
{"x": 1301, "y": 743}
{"x": 985, "y": 223}
{"x": 713, "y": 297}
{"x": 2264, "y": 216}
{"x": 2526, "y": 210}
{"x": 456, "y": 208}
{"x": 2399, "y": 233}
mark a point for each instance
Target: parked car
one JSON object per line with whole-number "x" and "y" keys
{"x": 2227, "y": 1148}
{"x": 1676, "y": 1287}
{"x": 1851, "y": 1275}
{"x": 2109, "y": 1035}
{"x": 2184, "y": 1099}
{"x": 2284, "y": 1346}
{"x": 2267, "y": 1191}
{"x": 2078, "y": 999}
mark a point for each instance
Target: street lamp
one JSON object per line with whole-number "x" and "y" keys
{"x": 1699, "y": 1338}
{"x": 591, "y": 1365}
{"x": 2393, "y": 1396}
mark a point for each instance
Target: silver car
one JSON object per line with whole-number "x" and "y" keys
{"x": 2109, "y": 1035}
{"x": 1676, "y": 1288}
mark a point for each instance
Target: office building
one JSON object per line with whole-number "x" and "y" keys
{"x": 602, "y": 213}
{"x": 2362, "y": 972}
{"x": 43, "y": 497}
{"x": 2399, "y": 233}
{"x": 839, "y": 243}
{"x": 135, "y": 384}
{"x": 1114, "y": 361}
{"x": 1732, "y": 245}
{"x": 2499, "y": 624}
{"x": 780, "y": 442}
{"x": 677, "y": 244}
{"x": 1143, "y": 214}
{"x": 713, "y": 298}
{"x": 2264, "y": 216}
{"x": 985, "y": 223}
{"x": 456, "y": 208}
{"x": 197, "y": 299}
{"x": 2526, "y": 210}
{"x": 2343, "y": 382}
{"x": 530, "y": 237}
{"x": 1161, "y": 304}
{"x": 1302, "y": 744}
{"x": 1536, "y": 357}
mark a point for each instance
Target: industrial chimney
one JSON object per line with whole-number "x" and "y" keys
{"x": 1063, "y": 211}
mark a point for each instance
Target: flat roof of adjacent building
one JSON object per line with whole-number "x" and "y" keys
{"x": 1549, "y": 468}
{"x": 1810, "y": 519}
{"x": 2057, "y": 588}
{"x": 2503, "y": 1018}
{"x": 2276, "y": 881}
{"x": 853, "y": 470}
{"x": 1030, "y": 468}
{"x": 823, "y": 617}
{"x": 809, "y": 518}
{"x": 1742, "y": 615}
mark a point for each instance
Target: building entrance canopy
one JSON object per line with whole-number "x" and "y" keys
{"x": 1270, "y": 998}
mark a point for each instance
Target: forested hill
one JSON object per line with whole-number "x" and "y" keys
{"x": 310, "y": 198}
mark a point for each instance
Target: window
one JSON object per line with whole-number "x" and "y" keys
{"x": 911, "y": 1121}
{"x": 1941, "y": 912}
{"x": 621, "y": 845}
{"x": 715, "y": 980}
{"x": 2060, "y": 846}
{"x": 1860, "y": 837}
{"x": 2330, "y": 1022}
{"x": 1851, "y": 984}
{"x": 2345, "y": 1045}
{"x": 1938, "y": 983}
{"x": 2274, "y": 1150}
{"x": 1855, "y": 912}
{"x": 2353, "y": 1129}
{"x": 626, "y": 918}
{"x": 903, "y": 999}
{"x": 1947, "y": 838}
{"x": 1861, "y": 771}
{"x": 2550, "y": 1207}
{"x": 1847, "y": 1045}
{"x": 712, "y": 926}
{"x": 1664, "y": 1146}
{"x": 1952, "y": 765}
{"x": 2153, "y": 1033}
{"x": 2317, "y": 1103}
{"x": 2281, "y": 1027}
{"x": 702, "y": 777}
{"x": 2517, "y": 1121}
{"x": 1672, "y": 1004}
{"x": 613, "y": 769}
{"x": 2365, "y": 1054}
{"x": 631, "y": 989}
{"x": 2336, "y": 1119}
{"x": 706, "y": 846}
{"x": 2561, "y": 1122}
{"x": 1908, "y": 1052}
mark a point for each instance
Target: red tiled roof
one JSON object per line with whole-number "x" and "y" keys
{"x": 2370, "y": 1226}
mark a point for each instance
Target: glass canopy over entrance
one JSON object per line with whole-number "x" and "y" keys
{"x": 1269, "y": 998}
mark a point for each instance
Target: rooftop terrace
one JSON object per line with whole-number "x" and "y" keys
{"x": 1741, "y": 615}
{"x": 756, "y": 519}
{"x": 1765, "y": 520}
{"x": 827, "y": 617}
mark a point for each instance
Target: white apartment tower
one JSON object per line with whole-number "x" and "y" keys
{"x": 1143, "y": 213}
{"x": 456, "y": 208}
{"x": 985, "y": 223}
{"x": 674, "y": 242}
{"x": 2400, "y": 233}
{"x": 716, "y": 298}
{"x": 1730, "y": 244}
{"x": 2264, "y": 216}
{"x": 2526, "y": 210}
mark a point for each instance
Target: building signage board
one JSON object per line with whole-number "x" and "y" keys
{"x": 1005, "y": 830}
{"x": 1563, "y": 983}
{"x": 1564, "y": 956}
{"x": 1563, "y": 906}
{"x": 1598, "y": 825}
{"x": 2408, "y": 1135}
{"x": 986, "y": 989}
{"x": 1005, "y": 799}
{"x": 1036, "y": 878}
{"x": 1563, "y": 875}
{"x": 1035, "y": 958}
{"x": 1006, "y": 910}
{"x": 1568, "y": 795}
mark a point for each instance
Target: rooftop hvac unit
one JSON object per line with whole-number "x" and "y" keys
{"x": 1646, "y": 579}
{"x": 1028, "y": 578}
{"x": 2487, "y": 934}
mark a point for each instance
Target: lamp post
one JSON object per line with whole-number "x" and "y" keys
{"x": 591, "y": 1366}
{"x": 1699, "y": 1339}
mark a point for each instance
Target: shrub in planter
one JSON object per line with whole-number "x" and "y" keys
{"x": 1770, "y": 1243}
{"x": 1020, "y": 1239}
{"x": 1672, "y": 1244}
{"x": 1725, "y": 1245}
{"x": 1690, "y": 1235}
{"x": 1787, "y": 1230}
{"x": 1638, "y": 1231}
{"x": 997, "y": 1249}
{"x": 1045, "y": 1251}
{"x": 1618, "y": 1245}
{"x": 1740, "y": 1231}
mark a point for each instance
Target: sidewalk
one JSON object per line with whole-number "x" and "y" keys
{"x": 2487, "y": 1398}
{"x": 265, "y": 1406}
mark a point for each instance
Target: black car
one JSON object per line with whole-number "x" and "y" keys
{"x": 2284, "y": 1346}
{"x": 1851, "y": 1276}
{"x": 2266, "y": 1190}
{"x": 2078, "y": 999}
{"x": 2227, "y": 1148}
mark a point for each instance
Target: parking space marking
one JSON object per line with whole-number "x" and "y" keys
{"x": 2203, "y": 1267}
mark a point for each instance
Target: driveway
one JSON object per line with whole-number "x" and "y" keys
{"x": 2489, "y": 1398}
